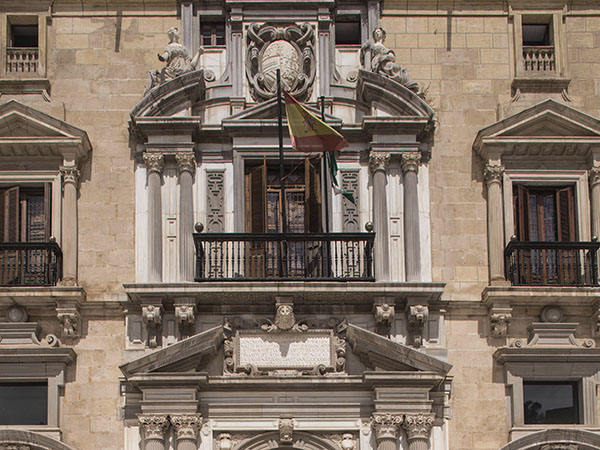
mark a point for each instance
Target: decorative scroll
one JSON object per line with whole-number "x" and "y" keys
{"x": 350, "y": 211}
{"x": 215, "y": 216}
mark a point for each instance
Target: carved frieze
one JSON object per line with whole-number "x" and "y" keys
{"x": 559, "y": 447}
{"x": 290, "y": 49}
{"x": 14, "y": 447}
{"x": 215, "y": 202}
{"x": 350, "y": 211}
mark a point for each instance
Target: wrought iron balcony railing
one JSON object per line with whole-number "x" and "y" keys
{"x": 30, "y": 264}
{"x": 539, "y": 59}
{"x": 283, "y": 257}
{"x": 552, "y": 263}
{"x": 22, "y": 59}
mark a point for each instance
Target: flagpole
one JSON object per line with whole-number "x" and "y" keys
{"x": 325, "y": 174}
{"x": 281, "y": 168}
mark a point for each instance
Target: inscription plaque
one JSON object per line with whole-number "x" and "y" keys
{"x": 284, "y": 350}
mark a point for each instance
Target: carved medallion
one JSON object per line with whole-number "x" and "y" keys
{"x": 290, "y": 49}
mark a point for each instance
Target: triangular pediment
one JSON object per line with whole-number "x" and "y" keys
{"x": 551, "y": 124}
{"x": 27, "y": 132}
{"x": 269, "y": 110}
{"x": 197, "y": 352}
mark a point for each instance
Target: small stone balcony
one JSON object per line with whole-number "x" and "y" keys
{"x": 22, "y": 60}
{"x": 539, "y": 60}
{"x": 284, "y": 256}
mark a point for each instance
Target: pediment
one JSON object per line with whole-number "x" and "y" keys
{"x": 550, "y": 124}
{"x": 27, "y": 132}
{"x": 195, "y": 353}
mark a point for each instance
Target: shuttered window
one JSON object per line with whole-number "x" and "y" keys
{"x": 25, "y": 214}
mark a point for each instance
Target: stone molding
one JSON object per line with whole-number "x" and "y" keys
{"x": 493, "y": 174}
{"x": 154, "y": 162}
{"x": 418, "y": 426}
{"x": 70, "y": 175}
{"x": 154, "y": 426}
{"x": 186, "y": 426}
{"x": 410, "y": 162}
{"x": 379, "y": 161}
{"x": 186, "y": 162}
{"x": 560, "y": 447}
{"x": 387, "y": 425}
{"x": 594, "y": 175}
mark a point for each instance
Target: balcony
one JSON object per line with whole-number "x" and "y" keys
{"x": 284, "y": 256}
{"x": 22, "y": 60}
{"x": 539, "y": 60}
{"x": 552, "y": 263}
{"x": 30, "y": 264}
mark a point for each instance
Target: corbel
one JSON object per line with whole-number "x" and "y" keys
{"x": 500, "y": 316}
{"x": 286, "y": 429}
{"x": 69, "y": 316}
{"x": 185, "y": 315}
{"x": 384, "y": 309}
{"x": 152, "y": 317}
{"x": 417, "y": 315}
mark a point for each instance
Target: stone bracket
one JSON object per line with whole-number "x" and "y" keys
{"x": 185, "y": 315}
{"x": 152, "y": 317}
{"x": 68, "y": 314}
{"x": 384, "y": 310}
{"x": 286, "y": 429}
{"x": 500, "y": 316}
{"x": 417, "y": 315}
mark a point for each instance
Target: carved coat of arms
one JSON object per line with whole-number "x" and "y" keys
{"x": 290, "y": 49}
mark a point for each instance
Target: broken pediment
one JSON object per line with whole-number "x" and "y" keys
{"x": 29, "y": 133}
{"x": 302, "y": 350}
{"x": 549, "y": 128}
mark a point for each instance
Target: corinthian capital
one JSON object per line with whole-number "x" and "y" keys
{"x": 154, "y": 426}
{"x": 154, "y": 162}
{"x": 186, "y": 426}
{"x": 493, "y": 174}
{"x": 186, "y": 162}
{"x": 70, "y": 174}
{"x": 379, "y": 161}
{"x": 410, "y": 162}
{"x": 418, "y": 426}
{"x": 594, "y": 176}
{"x": 386, "y": 426}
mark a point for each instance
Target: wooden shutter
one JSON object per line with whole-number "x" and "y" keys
{"x": 9, "y": 214}
{"x": 522, "y": 213}
{"x": 565, "y": 214}
{"x": 312, "y": 175}
{"x": 256, "y": 193}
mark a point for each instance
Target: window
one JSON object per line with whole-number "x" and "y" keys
{"x": 23, "y": 45}
{"x": 213, "y": 33}
{"x": 550, "y": 402}
{"x": 303, "y": 197}
{"x": 25, "y": 214}
{"x": 24, "y": 36}
{"x": 24, "y": 403}
{"x": 347, "y": 31}
{"x": 536, "y": 34}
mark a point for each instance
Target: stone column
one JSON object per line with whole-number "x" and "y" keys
{"x": 186, "y": 428}
{"x": 378, "y": 165}
{"x": 418, "y": 428}
{"x": 186, "y": 166}
{"x": 154, "y": 164}
{"x": 386, "y": 428}
{"x": 70, "y": 177}
{"x": 493, "y": 178}
{"x": 154, "y": 430}
{"x": 595, "y": 195}
{"x": 412, "y": 239}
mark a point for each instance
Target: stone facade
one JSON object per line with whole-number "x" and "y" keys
{"x": 430, "y": 348}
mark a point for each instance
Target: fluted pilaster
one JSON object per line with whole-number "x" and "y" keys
{"x": 387, "y": 427}
{"x": 186, "y": 166}
{"x": 186, "y": 428}
{"x": 154, "y": 164}
{"x": 493, "y": 178}
{"x": 418, "y": 429}
{"x": 70, "y": 180}
{"x": 154, "y": 430}
{"x": 378, "y": 165}
{"x": 410, "y": 168}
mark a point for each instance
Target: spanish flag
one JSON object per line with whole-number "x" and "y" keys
{"x": 309, "y": 133}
